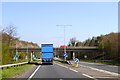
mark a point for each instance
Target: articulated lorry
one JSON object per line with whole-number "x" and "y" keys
{"x": 47, "y": 53}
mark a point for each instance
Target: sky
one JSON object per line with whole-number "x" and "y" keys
{"x": 36, "y": 21}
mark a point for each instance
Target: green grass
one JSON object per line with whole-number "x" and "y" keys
{"x": 20, "y": 61}
{"x": 56, "y": 61}
{"x": 116, "y": 63}
{"x": 13, "y": 71}
{"x": 0, "y": 74}
{"x": 35, "y": 61}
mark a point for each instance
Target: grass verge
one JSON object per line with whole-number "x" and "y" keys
{"x": 116, "y": 63}
{"x": 14, "y": 71}
{"x": 70, "y": 65}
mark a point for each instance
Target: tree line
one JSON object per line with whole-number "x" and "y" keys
{"x": 108, "y": 44}
{"x": 10, "y": 39}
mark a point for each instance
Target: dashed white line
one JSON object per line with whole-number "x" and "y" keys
{"x": 73, "y": 70}
{"x": 67, "y": 67}
{"x": 89, "y": 76}
{"x": 34, "y": 73}
{"x": 61, "y": 65}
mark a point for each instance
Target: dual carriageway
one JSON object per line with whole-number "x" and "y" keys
{"x": 60, "y": 71}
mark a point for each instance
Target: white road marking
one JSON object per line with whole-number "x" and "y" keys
{"x": 73, "y": 70}
{"x": 112, "y": 73}
{"x": 34, "y": 73}
{"x": 61, "y": 65}
{"x": 106, "y": 77}
{"x": 89, "y": 76}
{"x": 98, "y": 64}
{"x": 67, "y": 67}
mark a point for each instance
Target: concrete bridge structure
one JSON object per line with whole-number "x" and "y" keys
{"x": 68, "y": 49}
{"x": 71, "y": 51}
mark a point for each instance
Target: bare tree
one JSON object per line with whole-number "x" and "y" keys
{"x": 73, "y": 42}
{"x": 9, "y": 34}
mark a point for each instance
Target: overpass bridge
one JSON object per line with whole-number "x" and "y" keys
{"x": 79, "y": 51}
{"x": 68, "y": 49}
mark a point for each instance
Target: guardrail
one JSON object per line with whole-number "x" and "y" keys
{"x": 12, "y": 65}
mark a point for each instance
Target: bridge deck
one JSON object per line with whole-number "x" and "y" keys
{"x": 59, "y": 49}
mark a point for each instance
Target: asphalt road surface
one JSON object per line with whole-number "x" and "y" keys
{"x": 59, "y": 71}
{"x": 110, "y": 68}
{"x": 56, "y": 71}
{"x": 66, "y": 72}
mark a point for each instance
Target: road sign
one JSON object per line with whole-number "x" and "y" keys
{"x": 65, "y": 54}
{"x": 76, "y": 60}
{"x": 16, "y": 56}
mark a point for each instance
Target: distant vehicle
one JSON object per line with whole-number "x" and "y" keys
{"x": 63, "y": 46}
{"x": 47, "y": 53}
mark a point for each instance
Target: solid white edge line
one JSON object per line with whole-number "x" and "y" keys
{"x": 112, "y": 73}
{"x": 106, "y": 77}
{"x": 34, "y": 73}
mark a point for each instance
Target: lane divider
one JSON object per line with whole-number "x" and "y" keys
{"x": 66, "y": 67}
{"x": 73, "y": 70}
{"x": 34, "y": 72}
{"x": 89, "y": 76}
{"x": 62, "y": 65}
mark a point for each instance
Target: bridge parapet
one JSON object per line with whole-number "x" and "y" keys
{"x": 60, "y": 49}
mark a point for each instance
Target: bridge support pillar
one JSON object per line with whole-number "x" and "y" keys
{"x": 73, "y": 55}
{"x": 31, "y": 56}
